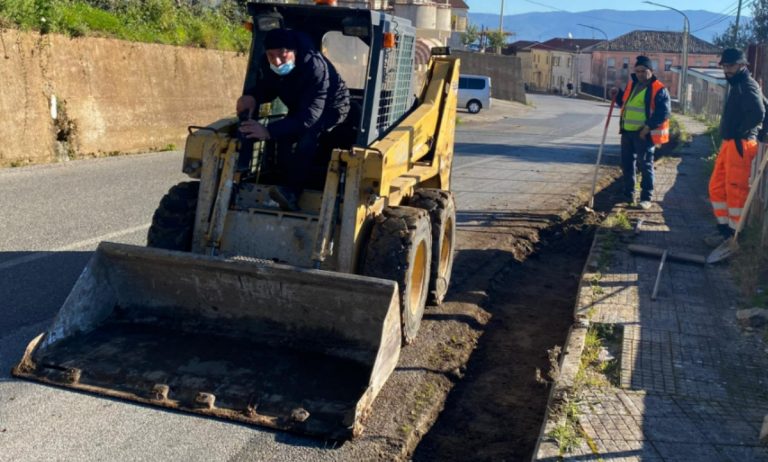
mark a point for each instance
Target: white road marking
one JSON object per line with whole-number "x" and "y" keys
{"x": 74, "y": 246}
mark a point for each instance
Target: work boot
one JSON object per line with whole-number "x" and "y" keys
{"x": 285, "y": 198}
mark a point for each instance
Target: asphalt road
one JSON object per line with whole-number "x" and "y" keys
{"x": 509, "y": 159}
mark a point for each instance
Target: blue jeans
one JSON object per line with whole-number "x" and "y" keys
{"x": 636, "y": 150}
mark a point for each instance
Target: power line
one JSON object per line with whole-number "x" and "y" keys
{"x": 715, "y": 22}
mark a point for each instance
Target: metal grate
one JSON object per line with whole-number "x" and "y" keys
{"x": 396, "y": 95}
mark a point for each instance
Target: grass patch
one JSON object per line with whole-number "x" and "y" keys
{"x": 599, "y": 359}
{"x": 618, "y": 221}
{"x": 151, "y": 21}
{"x": 713, "y": 134}
{"x": 678, "y": 131}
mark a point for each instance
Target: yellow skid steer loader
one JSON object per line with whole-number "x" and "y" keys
{"x": 292, "y": 320}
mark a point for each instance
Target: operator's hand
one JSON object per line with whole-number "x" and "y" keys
{"x": 644, "y": 131}
{"x": 246, "y": 103}
{"x": 253, "y": 129}
{"x": 613, "y": 92}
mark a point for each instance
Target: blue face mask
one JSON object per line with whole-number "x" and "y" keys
{"x": 283, "y": 69}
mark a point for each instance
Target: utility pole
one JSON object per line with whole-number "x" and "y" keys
{"x": 682, "y": 96}
{"x": 736, "y": 29}
{"x": 607, "y": 48}
{"x": 501, "y": 25}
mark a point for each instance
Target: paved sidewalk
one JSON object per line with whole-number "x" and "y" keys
{"x": 689, "y": 384}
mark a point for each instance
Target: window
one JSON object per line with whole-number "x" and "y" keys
{"x": 569, "y": 62}
{"x": 655, "y": 64}
{"x": 667, "y": 65}
{"x": 470, "y": 83}
{"x": 625, "y": 65}
{"x": 547, "y": 59}
{"x": 611, "y": 62}
{"x": 698, "y": 63}
{"x": 349, "y": 56}
{"x": 713, "y": 64}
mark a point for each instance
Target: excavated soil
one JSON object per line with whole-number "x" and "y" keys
{"x": 495, "y": 408}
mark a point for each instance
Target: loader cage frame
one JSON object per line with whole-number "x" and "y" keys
{"x": 388, "y": 94}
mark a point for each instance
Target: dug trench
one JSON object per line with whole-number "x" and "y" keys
{"x": 467, "y": 388}
{"x": 498, "y": 398}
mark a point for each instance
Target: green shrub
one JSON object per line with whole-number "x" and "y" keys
{"x": 152, "y": 21}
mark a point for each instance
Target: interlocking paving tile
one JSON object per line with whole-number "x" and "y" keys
{"x": 694, "y": 387}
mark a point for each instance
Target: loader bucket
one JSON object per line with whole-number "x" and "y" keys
{"x": 259, "y": 343}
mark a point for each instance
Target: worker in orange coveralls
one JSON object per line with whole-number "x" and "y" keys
{"x": 741, "y": 121}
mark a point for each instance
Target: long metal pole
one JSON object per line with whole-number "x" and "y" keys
{"x": 501, "y": 26}
{"x": 736, "y": 28}
{"x": 684, "y": 76}
{"x": 607, "y": 46}
{"x": 684, "y": 65}
{"x": 600, "y": 156}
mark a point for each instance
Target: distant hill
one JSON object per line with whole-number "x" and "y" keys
{"x": 543, "y": 26}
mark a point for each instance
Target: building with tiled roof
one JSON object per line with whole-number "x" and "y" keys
{"x": 659, "y": 42}
{"x": 615, "y": 59}
{"x": 557, "y": 62}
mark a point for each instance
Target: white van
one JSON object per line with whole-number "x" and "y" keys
{"x": 474, "y": 92}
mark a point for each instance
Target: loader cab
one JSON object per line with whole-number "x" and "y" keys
{"x": 353, "y": 40}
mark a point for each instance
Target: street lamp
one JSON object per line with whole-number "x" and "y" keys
{"x": 605, "y": 82}
{"x": 684, "y": 72}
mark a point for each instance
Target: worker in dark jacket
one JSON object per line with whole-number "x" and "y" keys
{"x": 317, "y": 100}
{"x": 644, "y": 127}
{"x": 742, "y": 119}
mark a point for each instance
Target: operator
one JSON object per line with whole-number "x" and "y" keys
{"x": 739, "y": 125}
{"x": 645, "y": 110}
{"x": 317, "y": 99}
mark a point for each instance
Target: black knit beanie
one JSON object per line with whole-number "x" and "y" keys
{"x": 280, "y": 38}
{"x": 644, "y": 61}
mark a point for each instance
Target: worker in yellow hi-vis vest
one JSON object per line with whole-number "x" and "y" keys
{"x": 644, "y": 127}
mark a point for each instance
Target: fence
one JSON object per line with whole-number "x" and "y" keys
{"x": 757, "y": 215}
{"x": 594, "y": 90}
{"x": 707, "y": 102}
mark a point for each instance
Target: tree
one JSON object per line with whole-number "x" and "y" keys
{"x": 470, "y": 36}
{"x": 754, "y": 31}
{"x": 496, "y": 39}
{"x": 745, "y": 37}
{"x": 760, "y": 21}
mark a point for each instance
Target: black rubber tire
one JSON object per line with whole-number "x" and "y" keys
{"x": 174, "y": 219}
{"x": 474, "y": 106}
{"x": 441, "y": 207}
{"x": 400, "y": 249}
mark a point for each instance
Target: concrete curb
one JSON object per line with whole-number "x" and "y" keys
{"x": 569, "y": 364}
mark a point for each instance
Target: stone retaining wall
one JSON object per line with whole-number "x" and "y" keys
{"x": 506, "y": 73}
{"x": 62, "y": 96}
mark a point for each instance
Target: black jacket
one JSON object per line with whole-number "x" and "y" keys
{"x": 662, "y": 104}
{"x": 744, "y": 110}
{"x": 315, "y": 94}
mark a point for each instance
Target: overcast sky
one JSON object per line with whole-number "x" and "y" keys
{"x": 527, "y": 6}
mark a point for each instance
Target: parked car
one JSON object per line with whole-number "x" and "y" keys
{"x": 474, "y": 92}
